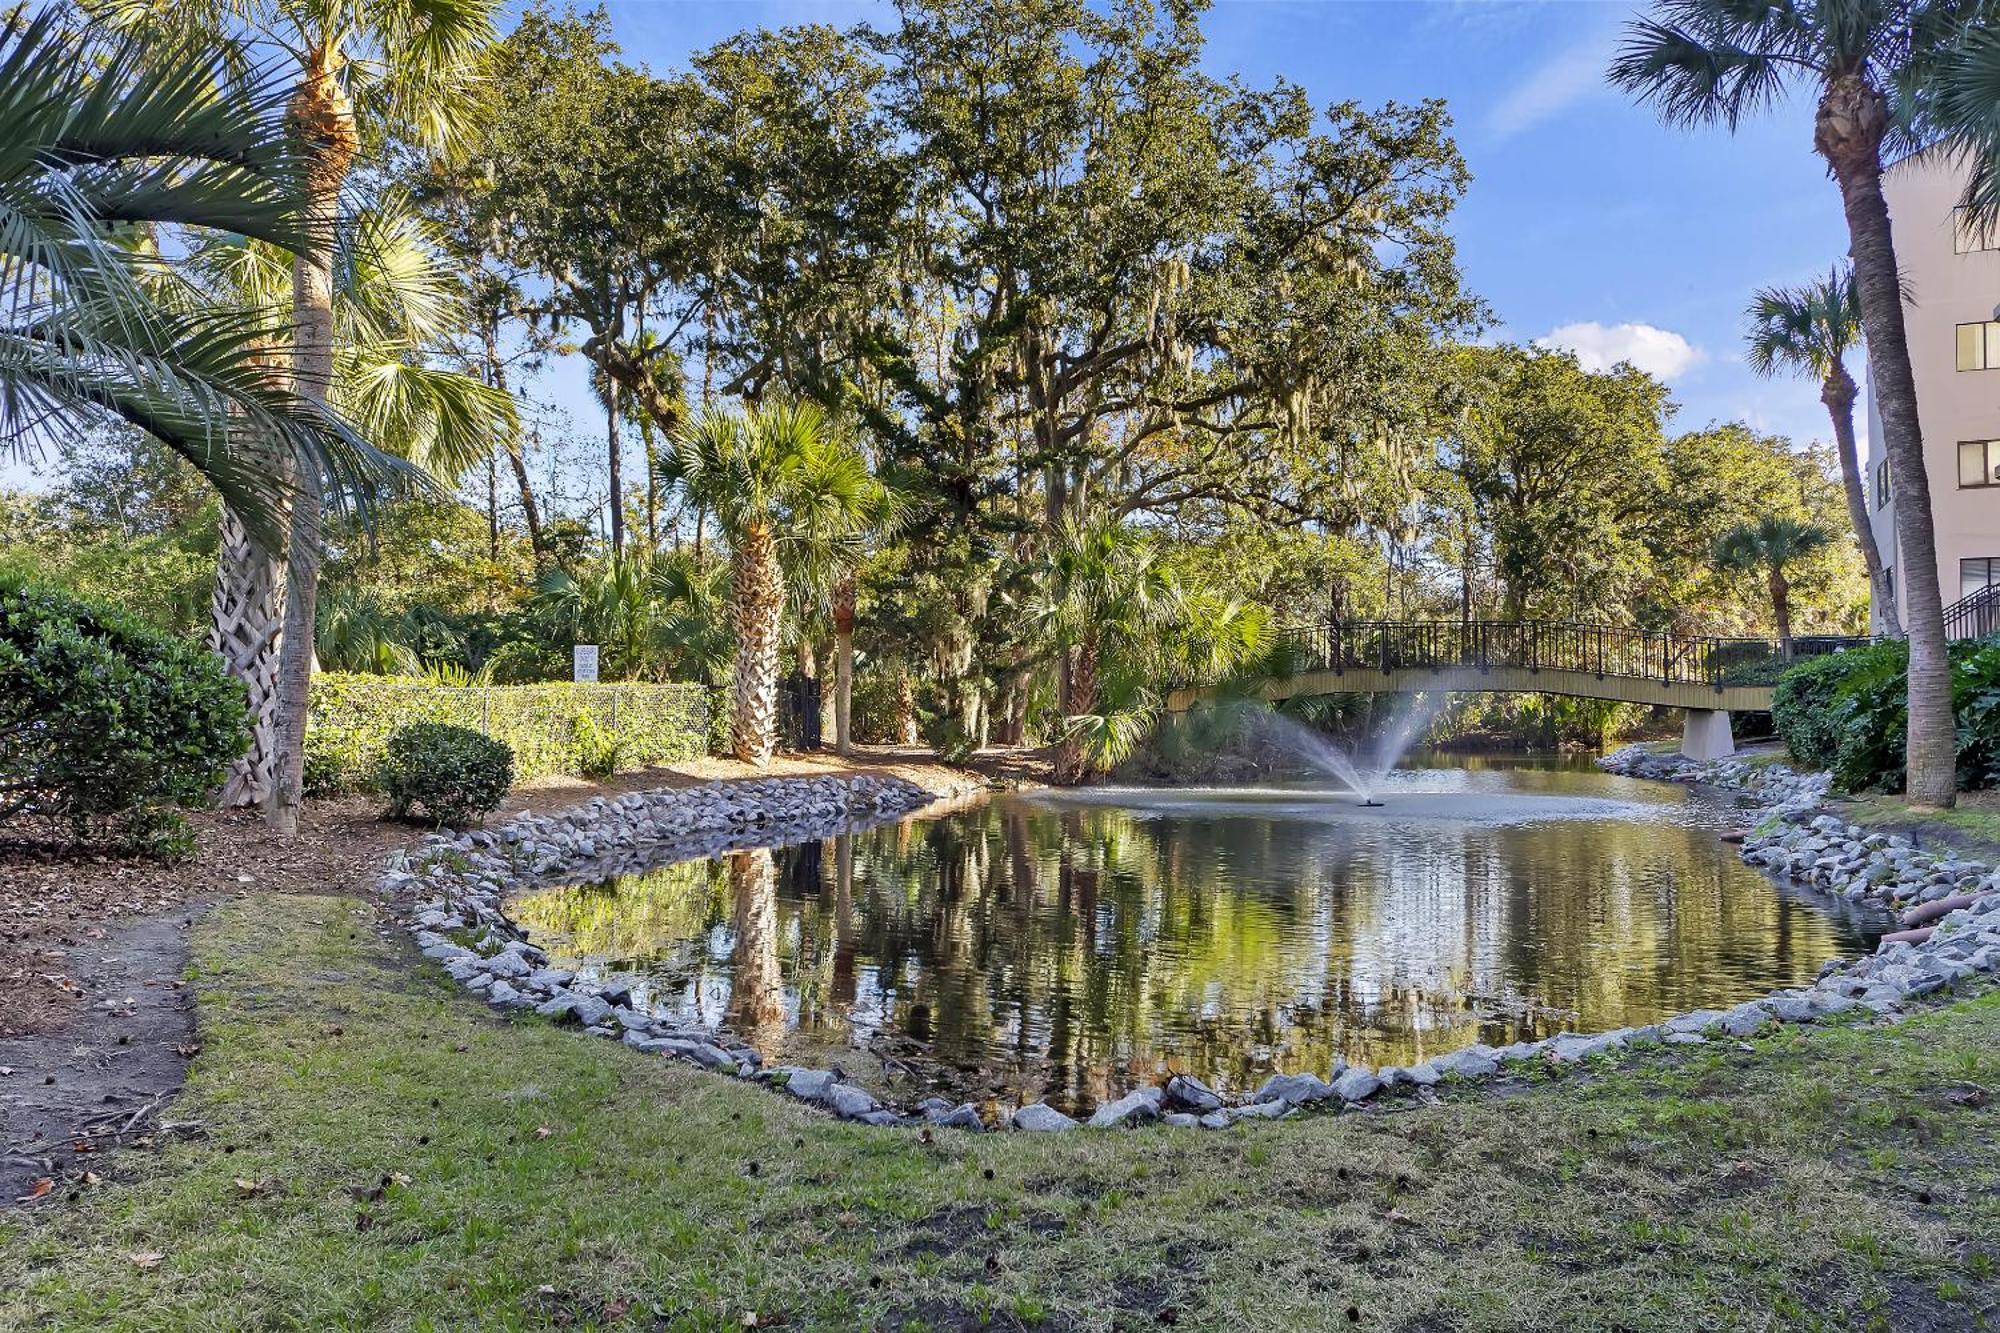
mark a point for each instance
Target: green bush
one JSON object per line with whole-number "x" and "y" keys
{"x": 1802, "y": 708}
{"x": 107, "y": 724}
{"x": 454, "y": 774}
{"x": 596, "y": 749}
{"x": 1848, "y": 712}
{"x": 352, "y": 717}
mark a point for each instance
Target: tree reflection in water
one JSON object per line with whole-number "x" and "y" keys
{"x": 1071, "y": 952}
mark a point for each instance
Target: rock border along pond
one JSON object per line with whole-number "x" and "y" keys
{"x": 462, "y": 881}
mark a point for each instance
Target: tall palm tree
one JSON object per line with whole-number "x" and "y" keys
{"x": 795, "y": 502}
{"x": 1103, "y": 590}
{"x": 102, "y": 145}
{"x": 1810, "y": 330}
{"x": 1774, "y": 545}
{"x": 409, "y": 68}
{"x": 1707, "y": 61}
{"x": 393, "y": 296}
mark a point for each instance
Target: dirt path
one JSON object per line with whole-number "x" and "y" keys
{"x": 104, "y": 1077}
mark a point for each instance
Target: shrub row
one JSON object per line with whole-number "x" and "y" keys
{"x": 555, "y": 728}
{"x": 1848, "y": 712}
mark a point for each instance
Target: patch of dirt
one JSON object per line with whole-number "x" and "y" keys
{"x": 103, "y": 1080}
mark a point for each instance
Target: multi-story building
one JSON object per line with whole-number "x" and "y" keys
{"x": 1951, "y": 308}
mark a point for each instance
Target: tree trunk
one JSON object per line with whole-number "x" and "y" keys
{"x": 652, "y": 486}
{"x": 496, "y": 376}
{"x": 843, "y": 666}
{"x": 246, "y": 629}
{"x": 1080, "y": 700}
{"x": 906, "y": 710}
{"x": 1838, "y": 394}
{"x": 614, "y": 446}
{"x": 758, "y": 603}
{"x": 322, "y": 119}
{"x": 1848, "y": 130}
{"x": 1781, "y": 611}
{"x": 756, "y": 983}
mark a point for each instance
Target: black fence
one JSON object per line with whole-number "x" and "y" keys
{"x": 1482, "y": 645}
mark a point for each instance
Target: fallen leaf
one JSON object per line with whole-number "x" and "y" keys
{"x": 146, "y": 1258}
{"x": 543, "y": 1131}
{"x": 92, "y": 1178}
{"x": 399, "y": 1177}
{"x": 617, "y": 1309}
{"x": 39, "y": 1187}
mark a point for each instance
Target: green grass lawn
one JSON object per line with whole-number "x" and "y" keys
{"x": 382, "y": 1152}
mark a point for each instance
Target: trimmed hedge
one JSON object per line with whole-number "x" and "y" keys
{"x": 353, "y": 716}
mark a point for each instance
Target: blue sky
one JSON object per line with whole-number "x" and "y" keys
{"x": 1587, "y": 222}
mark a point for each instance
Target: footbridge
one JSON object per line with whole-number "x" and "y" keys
{"x": 1699, "y": 674}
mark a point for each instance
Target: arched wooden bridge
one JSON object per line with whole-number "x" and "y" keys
{"x": 1697, "y": 673}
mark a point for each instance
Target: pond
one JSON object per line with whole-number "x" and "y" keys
{"x": 1068, "y": 946}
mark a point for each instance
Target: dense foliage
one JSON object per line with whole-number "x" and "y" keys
{"x": 1848, "y": 712}
{"x": 105, "y": 723}
{"x": 453, "y": 774}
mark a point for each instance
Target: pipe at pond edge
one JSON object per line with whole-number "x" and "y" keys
{"x": 1924, "y": 913}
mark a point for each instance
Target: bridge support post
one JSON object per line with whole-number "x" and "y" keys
{"x": 1705, "y": 735}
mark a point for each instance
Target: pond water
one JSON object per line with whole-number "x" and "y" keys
{"x": 1069, "y": 946}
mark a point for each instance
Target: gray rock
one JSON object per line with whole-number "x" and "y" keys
{"x": 1294, "y": 1089}
{"x": 964, "y": 1117}
{"x": 502, "y": 993}
{"x": 1356, "y": 1085}
{"x": 1185, "y": 1090}
{"x": 1135, "y": 1107}
{"x": 1685, "y": 1039}
{"x": 1468, "y": 1063}
{"x": 850, "y": 1102}
{"x": 508, "y": 965}
{"x": 1041, "y": 1118}
{"x": 1215, "y": 1120}
{"x": 1180, "y": 1120}
{"x": 1275, "y": 1110}
{"x": 1745, "y": 1020}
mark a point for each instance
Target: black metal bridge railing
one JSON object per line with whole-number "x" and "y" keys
{"x": 1482, "y": 645}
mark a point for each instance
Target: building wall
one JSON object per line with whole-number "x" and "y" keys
{"x": 1945, "y": 289}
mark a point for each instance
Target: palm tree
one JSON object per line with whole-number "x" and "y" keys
{"x": 1704, "y": 61}
{"x": 1104, "y": 593}
{"x": 795, "y": 503}
{"x": 1772, "y": 545}
{"x": 1809, "y": 331}
{"x": 393, "y": 296}
{"x": 409, "y": 68}
{"x": 104, "y": 143}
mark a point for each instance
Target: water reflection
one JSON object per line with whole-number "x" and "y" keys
{"x": 1048, "y": 947}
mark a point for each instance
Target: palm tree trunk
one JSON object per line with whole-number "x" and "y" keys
{"x": 614, "y": 446}
{"x": 1080, "y": 699}
{"x": 759, "y": 608}
{"x": 322, "y": 118}
{"x": 246, "y": 628}
{"x": 756, "y": 984}
{"x": 1848, "y": 130}
{"x": 906, "y": 709}
{"x": 843, "y": 666}
{"x": 1838, "y": 394}
{"x": 1781, "y": 611}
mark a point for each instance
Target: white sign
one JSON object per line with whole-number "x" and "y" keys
{"x": 583, "y": 665}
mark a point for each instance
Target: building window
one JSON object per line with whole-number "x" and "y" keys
{"x": 1979, "y": 346}
{"x": 1979, "y": 463}
{"x": 1977, "y": 575}
{"x": 1967, "y": 237}
{"x": 1882, "y": 491}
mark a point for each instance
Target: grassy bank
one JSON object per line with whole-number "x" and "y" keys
{"x": 381, "y": 1152}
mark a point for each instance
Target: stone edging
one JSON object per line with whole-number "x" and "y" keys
{"x": 462, "y": 882}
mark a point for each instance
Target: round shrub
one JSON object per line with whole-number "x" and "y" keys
{"x": 107, "y": 724}
{"x": 454, "y": 773}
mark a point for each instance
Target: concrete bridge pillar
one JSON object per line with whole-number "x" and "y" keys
{"x": 1705, "y": 734}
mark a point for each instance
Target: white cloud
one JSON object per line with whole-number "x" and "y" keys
{"x": 1554, "y": 86}
{"x": 1659, "y": 352}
